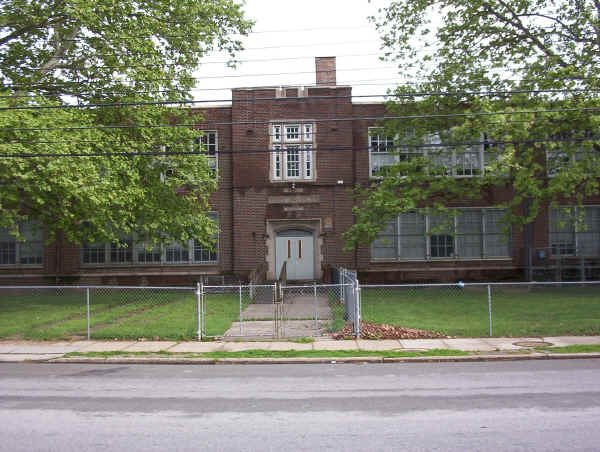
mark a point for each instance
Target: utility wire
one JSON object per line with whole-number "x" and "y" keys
{"x": 186, "y": 141}
{"x": 288, "y": 120}
{"x": 302, "y": 98}
{"x": 353, "y": 83}
{"x": 399, "y": 147}
{"x": 209, "y": 77}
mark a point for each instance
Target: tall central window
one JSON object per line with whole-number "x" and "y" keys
{"x": 292, "y": 157}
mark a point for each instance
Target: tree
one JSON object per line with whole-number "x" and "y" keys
{"x": 518, "y": 77}
{"x": 103, "y": 79}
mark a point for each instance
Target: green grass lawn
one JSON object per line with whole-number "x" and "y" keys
{"x": 131, "y": 314}
{"x": 516, "y": 311}
{"x": 122, "y": 314}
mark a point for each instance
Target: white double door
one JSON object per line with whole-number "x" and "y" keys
{"x": 296, "y": 247}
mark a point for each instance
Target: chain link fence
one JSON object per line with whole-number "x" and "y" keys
{"x": 312, "y": 310}
{"x": 487, "y": 309}
{"x": 236, "y": 311}
{"x": 98, "y": 312}
{"x": 278, "y": 311}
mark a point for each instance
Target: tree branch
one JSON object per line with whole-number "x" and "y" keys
{"x": 65, "y": 45}
{"x": 22, "y": 31}
{"x": 518, "y": 24}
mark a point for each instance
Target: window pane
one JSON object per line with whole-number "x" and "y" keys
{"x": 307, "y": 161}
{"x": 468, "y": 163}
{"x": 94, "y": 253}
{"x": 8, "y": 248}
{"x": 386, "y": 245}
{"x": 496, "y": 242}
{"x": 31, "y": 251}
{"x": 276, "y": 135}
{"x": 293, "y": 162}
{"x": 145, "y": 255}
{"x": 120, "y": 254}
{"x": 412, "y": 236}
{"x": 469, "y": 233}
{"x": 441, "y": 242}
{"x": 562, "y": 232}
{"x": 292, "y": 133}
{"x": 589, "y": 238}
{"x": 204, "y": 254}
{"x": 176, "y": 252}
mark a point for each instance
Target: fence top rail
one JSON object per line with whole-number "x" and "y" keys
{"x": 100, "y": 287}
{"x": 530, "y": 283}
{"x": 317, "y": 285}
{"x": 237, "y": 286}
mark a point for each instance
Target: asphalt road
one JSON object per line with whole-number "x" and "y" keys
{"x": 520, "y": 405}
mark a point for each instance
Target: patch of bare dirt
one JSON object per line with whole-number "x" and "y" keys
{"x": 382, "y": 331}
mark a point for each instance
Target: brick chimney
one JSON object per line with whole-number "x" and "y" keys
{"x": 325, "y": 70}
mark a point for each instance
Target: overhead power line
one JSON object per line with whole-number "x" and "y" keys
{"x": 209, "y": 77}
{"x": 314, "y": 120}
{"x": 299, "y": 98}
{"x": 314, "y": 149}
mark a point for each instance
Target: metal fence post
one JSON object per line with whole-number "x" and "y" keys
{"x": 489, "y": 287}
{"x": 241, "y": 330}
{"x": 357, "y": 302}
{"x": 199, "y": 303}
{"x": 316, "y": 308}
{"x": 87, "y": 303}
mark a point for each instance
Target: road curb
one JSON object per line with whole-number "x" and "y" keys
{"x": 319, "y": 360}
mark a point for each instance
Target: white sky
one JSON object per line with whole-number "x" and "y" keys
{"x": 301, "y": 30}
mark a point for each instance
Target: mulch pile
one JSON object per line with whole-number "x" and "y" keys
{"x": 382, "y": 331}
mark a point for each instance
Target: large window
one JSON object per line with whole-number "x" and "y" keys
{"x": 293, "y": 156}
{"x": 473, "y": 233}
{"x": 209, "y": 143}
{"x": 27, "y": 252}
{"x": 136, "y": 252}
{"x": 569, "y": 239}
{"x": 466, "y": 161}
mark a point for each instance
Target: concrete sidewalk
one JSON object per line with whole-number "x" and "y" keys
{"x": 43, "y": 351}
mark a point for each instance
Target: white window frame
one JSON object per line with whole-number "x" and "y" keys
{"x": 303, "y": 145}
{"x": 294, "y": 137}
{"x": 376, "y": 138}
{"x": 201, "y": 144}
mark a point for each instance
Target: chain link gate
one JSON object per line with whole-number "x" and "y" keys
{"x": 275, "y": 310}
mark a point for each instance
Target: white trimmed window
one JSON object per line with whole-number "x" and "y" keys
{"x": 27, "y": 252}
{"x": 466, "y": 161}
{"x": 473, "y": 233}
{"x": 293, "y": 157}
{"x": 136, "y": 252}
{"x": 569, "y": 239}
{"x": 209, "y": 144}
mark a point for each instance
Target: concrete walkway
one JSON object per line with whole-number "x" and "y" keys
{"x": 299, "y": 312}
{"x": 34, "y": 351}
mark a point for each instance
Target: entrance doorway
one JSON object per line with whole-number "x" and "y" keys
{"x": 296, "y": 247}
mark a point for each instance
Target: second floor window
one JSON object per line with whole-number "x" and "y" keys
{"x": 293, "y": 156}
{"x": 466, "y": 161}
{"x": 209, "y": 144}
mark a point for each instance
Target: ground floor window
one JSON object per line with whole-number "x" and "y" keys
{"x": 30, "y": 251}
{"x": 474, "y": 233}
{"x": 571, "y": 238}
{"x": 136, "y": 252}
